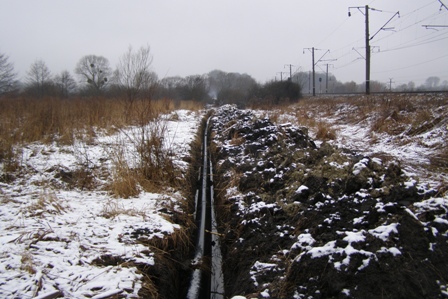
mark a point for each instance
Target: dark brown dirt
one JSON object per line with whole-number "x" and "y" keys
{"x": 266, "y": 212}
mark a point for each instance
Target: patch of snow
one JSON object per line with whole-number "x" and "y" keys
{"x": 393, "y": 250}
{"x": 260, "y": 267}
{"x": 358, "y": 220}
{"x": 327, "y": 249}
{"x": 301, "y": 189}
{"x": 383, "y": 231}
{"x": 441, "y": 220}
{"x": 365, "y": 264}
{"x": 410, "y": 183}
{"x": 304, "y": 241}
{"x": 412, "y": 214}
{"x": 358, "y": 167}
{"x": 265, "y": 294}
{"x": 377, "y": 161}
{"x": 355, "y": 237}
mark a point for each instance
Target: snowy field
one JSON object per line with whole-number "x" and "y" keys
{"x": 54, "y": 239}
{"x": 77, "y": 242}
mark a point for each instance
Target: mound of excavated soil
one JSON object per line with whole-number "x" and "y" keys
{"x": 305, "y": 221}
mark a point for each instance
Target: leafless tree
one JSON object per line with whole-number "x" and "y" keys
{"x": 94, "y": 72}
{"x": 432, "y": 82}
{"x": 230, "y": 87}
{"x": 65, "y": 83}
{"x": 39, "y": 82}
{"x": 133, "y": 74}
{"x": 195, "y": 88}
{"x": 135, "y": 81}
{"x": 7, "y": 74}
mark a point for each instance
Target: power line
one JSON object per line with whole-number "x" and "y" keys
{"x": 410, "y": 25}
{"x": 414, "y": 65}
{"x": 333, "y": 32}
{"x": 416, "y": 44}
{"x": 434, "y": 26}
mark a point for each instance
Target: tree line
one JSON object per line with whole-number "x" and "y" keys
{"x": 134, "y": 79}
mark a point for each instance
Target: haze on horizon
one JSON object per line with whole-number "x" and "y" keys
{"x": 257, "y": 37}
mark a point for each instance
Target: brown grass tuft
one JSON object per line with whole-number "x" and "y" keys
{"x": 325, "y": 131}
{"x": 47, "y": 203}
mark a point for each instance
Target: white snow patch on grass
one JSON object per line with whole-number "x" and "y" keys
{"x": 50, "y": 237}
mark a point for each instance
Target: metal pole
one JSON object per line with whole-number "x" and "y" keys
{"x": 314, "y": 77}
{"x": 367, "y": 51}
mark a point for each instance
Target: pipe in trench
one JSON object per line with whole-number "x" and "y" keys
{"x": 207, "y": 284}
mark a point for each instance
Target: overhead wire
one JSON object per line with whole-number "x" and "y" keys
{"x": 413, "y": 65}
{"x": 403, "y": 20}
{"x": 332, "y": 33}
{"x": 424, "y": 40}
{"x": 416, "y": 44}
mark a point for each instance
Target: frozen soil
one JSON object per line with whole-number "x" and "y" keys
{"x": 302, "y": 219}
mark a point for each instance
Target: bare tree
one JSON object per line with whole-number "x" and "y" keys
{"x": 432, "y": 82}
{"x": 7, "y": 74}
{"x": 133, "y": 74}
{"x": 38, "y": 79}
{"x": 65, "y": 83}
{"x": 230, "y": 87}
{"x": 195, "y": 88}
{"x": 94, "y": 71}
{"x": 444, "y": 85}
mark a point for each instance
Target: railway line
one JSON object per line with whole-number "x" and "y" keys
{"x": 336, "y": 94}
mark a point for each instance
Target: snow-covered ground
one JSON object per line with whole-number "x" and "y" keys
{"x": 56, "y": 239}
{"x": 77, "y": 241}
{"x": 337, "y": 220}
{"x": 413, "y": 146}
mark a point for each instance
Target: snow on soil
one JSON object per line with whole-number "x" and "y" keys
{"x": 53, "y": 239}
{"x": 312, "y": 221}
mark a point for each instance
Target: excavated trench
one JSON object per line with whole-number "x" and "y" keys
{"x": 206, "y": 279}
{"x": 300, "y": 220}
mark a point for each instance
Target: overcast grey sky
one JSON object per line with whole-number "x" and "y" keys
{"x": 257, "y": 37}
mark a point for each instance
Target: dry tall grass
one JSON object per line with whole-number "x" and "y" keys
{"x": 400, "y": 117}
{"x": 66, "y": 121}
{"x": 53, "y": 119}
